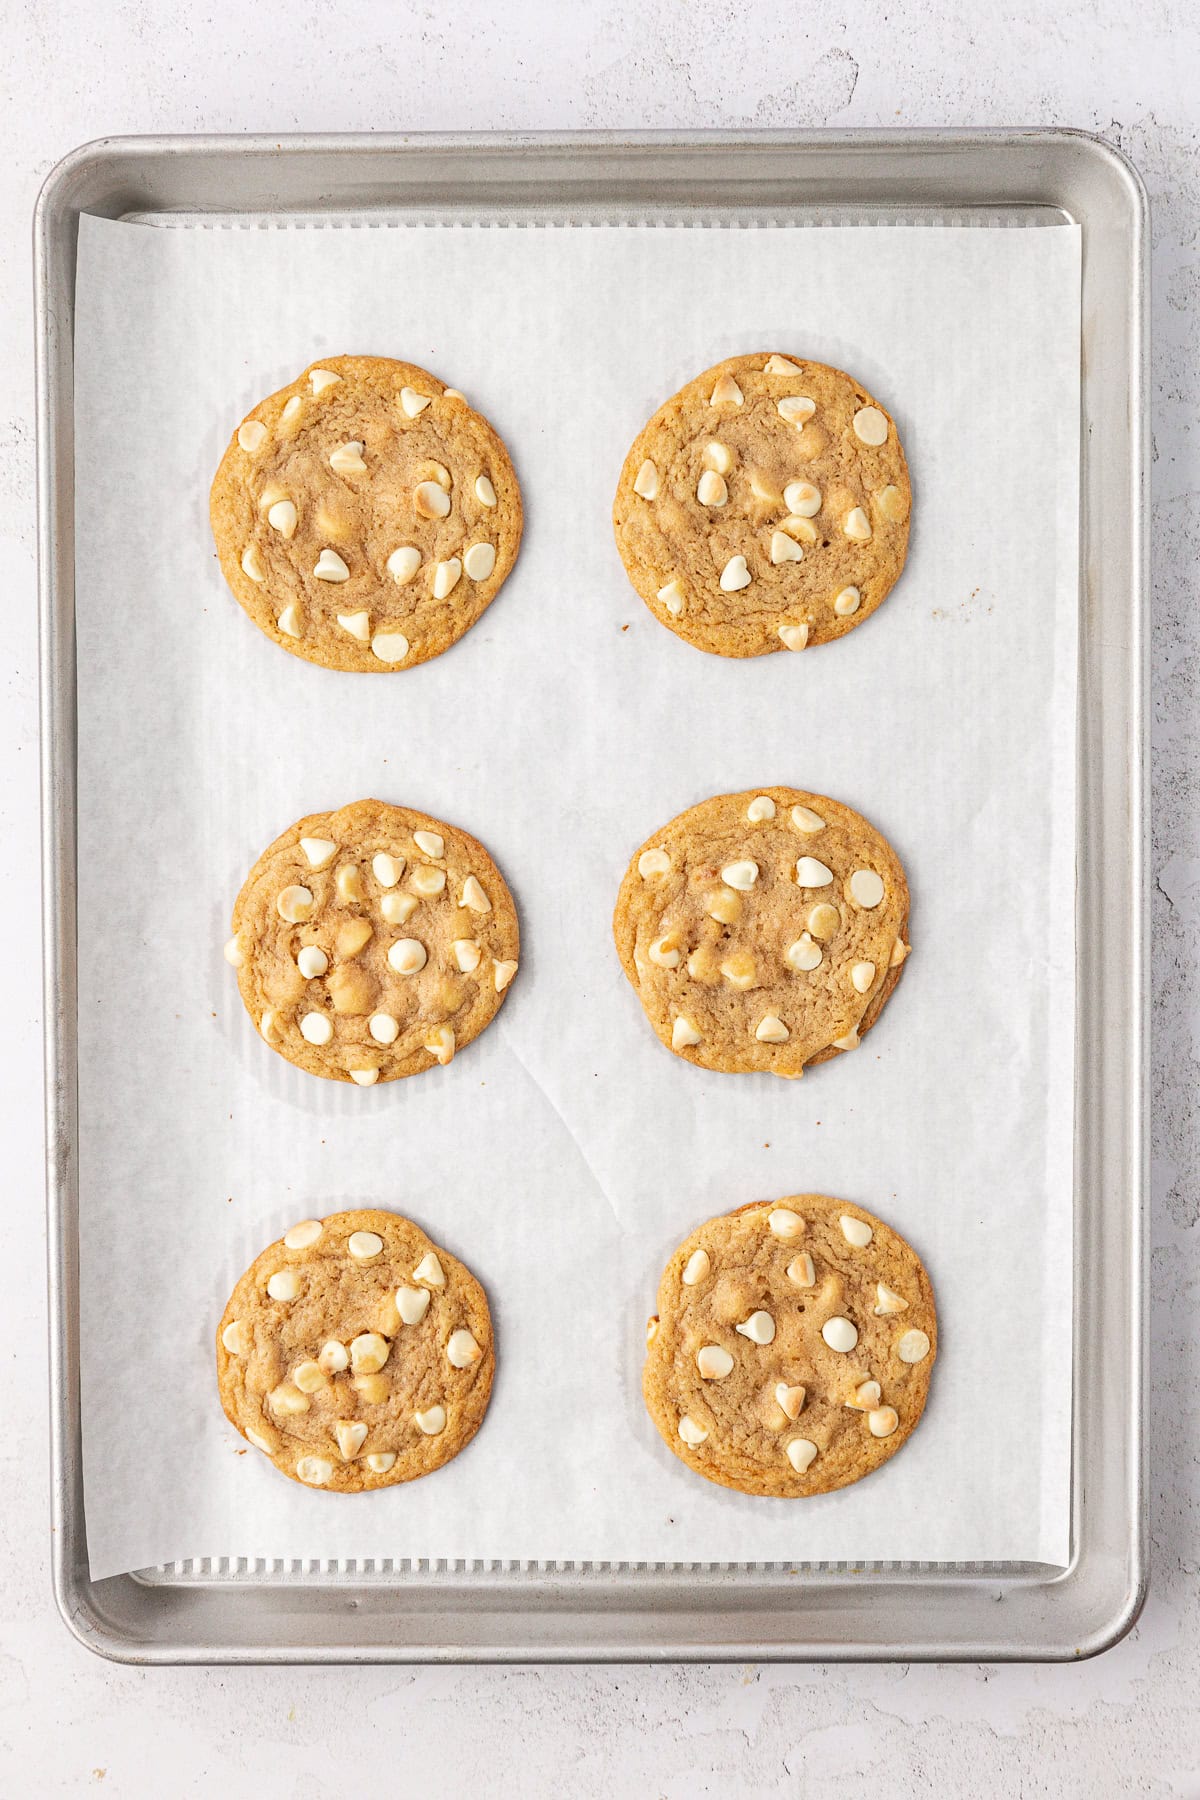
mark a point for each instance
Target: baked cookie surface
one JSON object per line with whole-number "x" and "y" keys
{"x": 763, "y": 930}
{"x": 792, "y": 1347}
{"x": 355, "y": 1353}
{"x": 365, "y": 515}
{"x": 764, "y": 507}
{"x": 373, "y": 942}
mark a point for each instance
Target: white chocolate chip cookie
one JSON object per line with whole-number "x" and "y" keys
{"x": 763, "y": 930}
{"x": 325, "y": 1366}
{"x": 776, "y": 1371}
{"x": 764, "y": 507}
{"x": 365, "y": 515}
{"x": 348, "y": 931}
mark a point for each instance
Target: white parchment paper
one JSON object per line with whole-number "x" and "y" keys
{"x": 566, "y": 1153}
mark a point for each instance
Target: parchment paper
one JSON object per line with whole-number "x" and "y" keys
{"x": 566, "y": 1153}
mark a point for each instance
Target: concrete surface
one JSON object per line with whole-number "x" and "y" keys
{"x": 1125, "y": 1724}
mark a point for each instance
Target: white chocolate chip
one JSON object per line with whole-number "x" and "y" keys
{"x": 503, "y": 973}
{"x": 432, "y": 1421}
{"x": 351, "y": 1435}
{"x": 785, "y": 1223}
{"x": 431, "y": 842}
{"x": 301, "y": 1236}
{"x": 383, "y": 1028}
{"x": 315, "y": 1028}
{"x": 282, "y": 518}
{"x": 735, "y": 575}
{"x": 412, "y": 402}
{"x": 479, "y": 560}
{"x": 892, "y": 503}
{"x": 870, "y": 425}
{"x": 233, "y": 953}
{"x": 412, "y": 1304}
{"x": 718, "y": 457}
{"x": 363, "y": 1077}
{"x": 726, "y": 392}
{"x": 267, "y": 1024}
{"x": 802, "y": 499}
{"x": 883, "y": 1421}
{"x": 804, "y": 819}
{"x": 740, "y": 970}
{"x": 714, "y": 1362}
{"x": 380, "y": 1461}
{"x": 804, "y": 954}
{"x": 856, "y": 525}
{"x": 352, "y": 935}
{"x": 813, "y": 874}
{"x": 913, "y": 1347}
{"x": 850, "y": 1041}
{"x": 856, "y": 1231}
{"x": 781, "y": 365}
{"x": 900, "y": 951}
{"x": 840, "y": 1335}
{"x": 430, "y": 1269}
{"x": 645, "y": 482}
{"x": 790, "y": 1400}
{"x": 252, "y": 563}
{"x": 664, "y": 953}
{"x": 252, "y": 435}
{"x": 430, "y": 501}
{"x": 349, "y": 882}
{"x": 287, "y": 1401}
{"x": 358, "y": 624}
{"x": 761, "y": 808}
{"x": 407, "y": 956}
{"x": 330, "y": 567}
{"x": 474, "y": 897}
{"x": 485, "y": 493}
{"x": 427, "y": 881}
{"x": 823, "y": 920}
{"x": 462, "y": 1350}
{"x": 771, "y": 1030}
{"x": 866, "y": 888}
{"x": 683, "y": 1034}
{"x": 801, "y": 1271}
{"x": 724, "y": 905}
{"x": 374, "y": 1389}
{"x": 403, "y": 564}
{"x": 260, "y": 1442}
{"x": 711, "y": 489}
{"x": 466, "y": 953}
{"x": 801, "y": 1452}
{"x": 672, "y": 598}
{"x": 759, "y": 1328}
{"x": 691, "y": 1433}
{"x": 865, "y": 1396}
{"x": 397, "y": 909}
{"x": 653, "y": 862}
{"x": 846, "y": 602}
{"x": 764, "y": 490}
{"x": 740, "y": 875}
{"x": 363, "y": 1245}
{"x": 386, "y": 869}
{"x": 861, "y": 976}
{"x": 314, "y": 1470}
{"x": 318, "y": 851}
{"x": 320, "y": 379}
{"x": 312, "y": 962}
{"x": 785, "y": 549}
{"x": 794, "y": 637}
{"x": 696, "y": 1269}
{"x": 797, "y": 409}
{"x": 446, "y": 577}
{"x": 285, "y": 1284}
{"x": 289, "y": 621}
{"x": 347, "y": 459}
{"x": 368, "y": 1352}
{"x": 309, "y": 1376}
{"x": 236, "y": 1337}
{"x": 333, "y": 1356}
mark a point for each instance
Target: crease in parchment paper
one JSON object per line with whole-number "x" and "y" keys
{"x": 566, "y": 1152}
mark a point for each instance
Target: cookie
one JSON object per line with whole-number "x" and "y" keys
{"x": 764, "y": 930}
{"x": 373, "y": 942}
{"x": 365, "y": 515}
{"x": 764, "y": 507}
{"x": 355, "y": 1353}
{"x": 792, "y": 1347}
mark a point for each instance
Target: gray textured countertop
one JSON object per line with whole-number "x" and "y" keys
{"x": 1125, "y": 1723}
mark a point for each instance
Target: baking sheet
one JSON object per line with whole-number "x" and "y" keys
{"x": 566, "y": 1153}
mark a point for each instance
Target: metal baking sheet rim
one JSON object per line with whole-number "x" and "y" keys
{"x": 215, "y": 1612}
